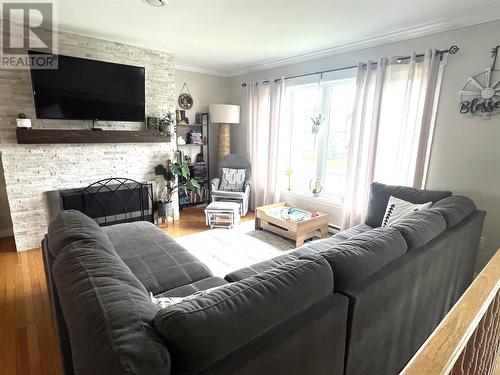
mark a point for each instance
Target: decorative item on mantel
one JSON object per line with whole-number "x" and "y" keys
{"x": 481, "y": 94}
{"x": 23, "y": 121}
{"x": 151, "y": 123}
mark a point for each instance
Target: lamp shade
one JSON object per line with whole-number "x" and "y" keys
{"x": 224, "y": 113}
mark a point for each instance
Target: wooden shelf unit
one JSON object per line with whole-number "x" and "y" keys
{"x": 49, "y": 136}
{"x": 189, "y": 148}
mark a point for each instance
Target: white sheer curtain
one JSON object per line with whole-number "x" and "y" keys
{"x": 264, "y": 110}
{"x": 363, "y": 141}
{"x": 392, "y": 126}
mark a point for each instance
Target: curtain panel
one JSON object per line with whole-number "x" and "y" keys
{"x": 392, "y": 125}
{"x": 265, "y": 103}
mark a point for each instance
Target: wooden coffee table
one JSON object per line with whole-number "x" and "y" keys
{"x": 274, "y": 219}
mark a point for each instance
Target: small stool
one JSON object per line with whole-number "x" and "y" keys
{"x": 222, "y": 214}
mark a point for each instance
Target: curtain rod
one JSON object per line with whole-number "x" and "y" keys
{"x": 452, "y": 50}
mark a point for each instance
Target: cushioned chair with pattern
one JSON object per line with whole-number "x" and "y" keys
{"x": 233, "y": 181}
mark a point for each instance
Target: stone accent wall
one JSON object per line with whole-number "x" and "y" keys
{"x": 31, "y": 170}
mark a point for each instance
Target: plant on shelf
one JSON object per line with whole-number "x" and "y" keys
{"x": 289, "y": 173}
{"x": 23, "y": 121}
{"x": 166, "y": 122}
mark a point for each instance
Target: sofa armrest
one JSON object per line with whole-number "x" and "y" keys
{"x": 241, "y": 312}
{"x": 214, "y": 183}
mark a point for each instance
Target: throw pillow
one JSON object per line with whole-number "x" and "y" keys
{"x": 232, "y": 179}
{"x": 163, "y": 302}
{"x": 398, "y": 209}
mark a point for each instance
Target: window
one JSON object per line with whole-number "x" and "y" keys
{"x": 322, "y": 156}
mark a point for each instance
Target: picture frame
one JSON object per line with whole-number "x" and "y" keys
{"x": 152, "y": 123}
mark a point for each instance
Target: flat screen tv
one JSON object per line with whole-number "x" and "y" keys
{"x": 83, "y": 89}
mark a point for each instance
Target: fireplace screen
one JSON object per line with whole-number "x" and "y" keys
{"x": 112, "y": 201}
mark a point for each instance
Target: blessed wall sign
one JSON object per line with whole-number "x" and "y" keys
{"x": 481, "y": 94}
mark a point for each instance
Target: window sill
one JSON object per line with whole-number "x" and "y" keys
{"x": 322, "y": 199}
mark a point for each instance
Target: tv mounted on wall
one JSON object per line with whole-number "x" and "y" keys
{"x": 83, "y": 89}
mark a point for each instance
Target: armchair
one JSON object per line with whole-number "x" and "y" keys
{"x": 233, "y": 161}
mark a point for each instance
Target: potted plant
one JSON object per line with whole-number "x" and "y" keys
{"x": 289, "y": 173}
{"x": 165, "y": 205}
{"x": 23, "y": 121}
{"x": 181, "y": 169}
{"x": 166, "y": 123}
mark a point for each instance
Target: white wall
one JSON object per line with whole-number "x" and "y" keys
{"x": 465, "y": 155}
{"x": 206, "y": 89}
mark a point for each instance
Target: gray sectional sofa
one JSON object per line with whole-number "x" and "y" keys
{"x": 360, "y": 302}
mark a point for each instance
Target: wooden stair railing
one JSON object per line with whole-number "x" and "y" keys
{"x": 467, "y": 340}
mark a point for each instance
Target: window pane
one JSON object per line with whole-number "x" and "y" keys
{"x": 304, "y": 102}
{"x": 339, "y": 126}
{"x": 328, "y": 160}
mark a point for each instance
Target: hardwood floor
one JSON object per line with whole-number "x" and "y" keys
{"x": 28, "y": 342}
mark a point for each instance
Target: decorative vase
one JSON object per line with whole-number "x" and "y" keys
{"x": 23, "y": 123}
{"x": 315, "y": 186}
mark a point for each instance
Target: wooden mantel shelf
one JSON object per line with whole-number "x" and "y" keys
{"x": 48, "y": 136}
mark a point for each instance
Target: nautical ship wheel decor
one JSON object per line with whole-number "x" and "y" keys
{"x": 481, "y": 94}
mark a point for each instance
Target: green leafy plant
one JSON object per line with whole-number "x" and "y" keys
{"x": 22, "y": 116}
{"x": 289, "y": 173}
{"x": 317, "y": 121}
{"x": 170, "y": 186}
{"x": 166, "y": 122}
{"x": 181, "y": 169}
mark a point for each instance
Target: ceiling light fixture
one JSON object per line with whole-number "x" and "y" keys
{"x": 156, "y": 3}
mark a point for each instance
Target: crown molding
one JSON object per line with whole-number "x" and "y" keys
{"x": 195, "y": 69}
{"x": 387, "y": 38}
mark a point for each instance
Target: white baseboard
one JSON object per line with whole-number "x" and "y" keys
{"x": 6, "y": 232}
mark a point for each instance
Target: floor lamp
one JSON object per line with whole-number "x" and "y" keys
{"x": 224, "y": 114}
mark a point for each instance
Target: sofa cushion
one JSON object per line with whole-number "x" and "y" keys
{"x": 420, "y": 227}
{"x": 379, "y": 197}
{"x": 157, "y": 260}
{"x": 348, "y": 233}
{"x": 203, "y": 330}
{"x": 69, "y": 226}
{"x": 265, "y": 265}
{"x": 188, "y": 289}
{"x": 312, "y": 247}
{"x": 108, "y": 313}
{"x": 454, "y": 209}
{"x": 355, "y": 259}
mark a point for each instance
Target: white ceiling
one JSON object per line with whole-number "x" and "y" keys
{"x": 234, "y": 36}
